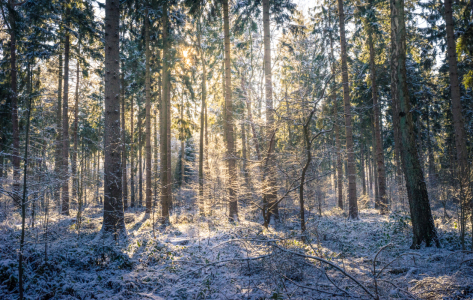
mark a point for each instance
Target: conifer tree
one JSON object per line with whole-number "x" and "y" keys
{"x": 113, "y": 218}
{"x": 422, "y": 222}
{"x": 351, "y": 172}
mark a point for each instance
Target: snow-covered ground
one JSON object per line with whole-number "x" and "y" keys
{"x": 207, "y": 257}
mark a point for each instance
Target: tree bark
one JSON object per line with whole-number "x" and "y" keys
{"x": 23, "y": 203}
{"x": 432, "y": 173}
{"x": 58, "y": 146}
{"x": 362, "y": 169}
{"x": 156, "y": 137}
{"x": 140, "y": 156}
{"x": 421, "y": 216}
{"x": 250, "y": 119}
{"x": 336, "y": 126}
{"x": 351, "y": 171}
{"x": 370, "y": 173}
{"x": 14, "y": 107}
{"x": 396, "y": 131}
{"x": 164, "y": 123}
{"x": 380, "y": 168}
{"x": 2, "y": 157}
{"x": 113, "y": 217}
{"x": 148, "y": 117}
{"x": 123, "y": 137}
{"x": 75, "y": 128}
{"x": 270, "y": 191}
{"x": 156, "y": 172}
{"x": 183, "y": 143}
{"x": 308, "y": 145}
{"x": 132, "y": 154}
{"x": 65, "y": 128}
{"x": 244, "y": 155}
{"x": 458, "y": 122}
{"x": 202, "y": 121}
{"x": 377, "y": 202}
{"x": 206, "y": 150}
{"x": 229, "y": 140}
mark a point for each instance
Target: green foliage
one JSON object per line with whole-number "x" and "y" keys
{"x": 468, "y": 80}
{"x": 401, "y": 222}
{"x": 276, "y": 296}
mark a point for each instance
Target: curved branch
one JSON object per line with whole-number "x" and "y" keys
{"x": 331, "y": 264}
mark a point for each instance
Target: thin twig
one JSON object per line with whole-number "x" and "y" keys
{"x": 217, "y": 262}
{"x": 331, "y": 264}
{"x": 335, "y": 285}
{"x": 309, "y": 288}
{"x": 374, "y": 268}
{"x": 459, "y": 251}
{"x": 407, "y": 253}
{"x": 405, "y": 291}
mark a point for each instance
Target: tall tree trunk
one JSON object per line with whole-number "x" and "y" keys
{"x": 397, "y": 149}
{"x": 75, "y": 128}
{"x": 229, "y": 141}
{"x": 164, "y": 117}
{"x": 14, "y": 107}
{"x": 288, "y": 111}
{"x": 362, "y": 169}
{"x": 377, "y": 201}
{"x": 380, "y": 168}
{"x": 307, "y": 150}
{"x": 23, "y": 203}
{"x": 458, "y": 123}
{"x": 202, "y": 121}
{"x": 96, "y": 177}
{"x": 224, "y": 91}
{"x": 370, "y": 173}
{"x": 421, "y": 216}
{"x": 148, "y": 116}
{"x": 183, "y": 143}
{"x": 65, "y": 129}
{"x": 140, "y": 158}
{"x": 351, "y": 171}
{"x": 123, "y": 137}
{"x": 156, "y": 134}
{"x": 336, "y": 126}
{"x": 250, "y": 119}
{"x": 206, "y": 155}
{"x": 132, "y": 154}
{"x": 58, "y": 145}
{"x": 270, "y": 180}
{"x": 2, "y": 156}
{"x": 244, "y": 154}
{"x": 113, "y": 217}
{"x": 397, "y": 135}
{"x": 338, "y": 147}
{"x": 432, "y": 173}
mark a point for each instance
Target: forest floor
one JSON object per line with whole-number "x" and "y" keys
{"x": 210, "y": 258}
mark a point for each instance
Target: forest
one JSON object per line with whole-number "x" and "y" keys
{"x": 236, "y": 149}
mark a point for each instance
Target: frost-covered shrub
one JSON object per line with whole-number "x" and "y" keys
{"x": 9, "y": 273}
{"x": 451, "y": 240}
{"x": 109, "y": 255}
{"x": 287, "y": 264}
{"x": 401, "y": 223}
